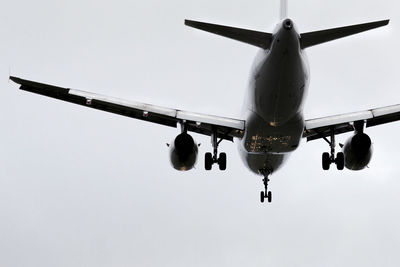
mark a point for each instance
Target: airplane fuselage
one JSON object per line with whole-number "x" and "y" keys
{"x": 274, "y": 106}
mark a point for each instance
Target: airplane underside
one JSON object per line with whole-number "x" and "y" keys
{"x": 265, "y": 147}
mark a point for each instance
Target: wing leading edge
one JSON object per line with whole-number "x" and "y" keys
{"x": 322, "y": 127}
{"x": 226, "y": 128}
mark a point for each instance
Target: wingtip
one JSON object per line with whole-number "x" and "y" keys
{"x": 384, "y": 22}
{"x": 380, "y": 23}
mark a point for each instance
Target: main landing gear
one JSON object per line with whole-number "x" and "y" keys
{"x": 211, "y": 159}
{"x": 265, "y": 194}
{"x": 329, "y": 158}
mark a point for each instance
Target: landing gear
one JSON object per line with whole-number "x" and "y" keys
{"x": 329, "y": 158}
{"x": 265, "y": 194}
{"x": 268, "y": 196}
{"x": 212, "y": 158}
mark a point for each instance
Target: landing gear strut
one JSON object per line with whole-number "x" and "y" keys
{"x": 265, "y": 194}
{"x": 329, "y": 158}
{"x": 213, "y": 158}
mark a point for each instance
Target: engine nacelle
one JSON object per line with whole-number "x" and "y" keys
{"x": 183, "y": 152}
{"x": 357, "y": 152}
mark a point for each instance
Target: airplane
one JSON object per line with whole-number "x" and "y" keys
{"x": 273, "y": 124}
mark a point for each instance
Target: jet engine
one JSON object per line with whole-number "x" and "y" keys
{"x": 357, "y": 151}
{"x": 183, "y": 152}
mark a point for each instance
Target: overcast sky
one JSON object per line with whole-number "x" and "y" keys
{"x": 81, "y": 187}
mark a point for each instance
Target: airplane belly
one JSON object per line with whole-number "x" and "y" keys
{"x": 268, "y": 161}
{"x": 265, "y": 146}
{"x": 265, "y": 137}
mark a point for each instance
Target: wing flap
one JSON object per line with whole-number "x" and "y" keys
{"x": 322, "y": 127}
{"x": 338, "y": 119}
{"x": 131, "y": 104}
{"x": 384, "y": 115}
{"x": 226, "y": 122}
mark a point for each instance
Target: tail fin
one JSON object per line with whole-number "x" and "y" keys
{"x": 260, "y": 39}
{"x": 319, "y": 37}
{"x": 284, "y": 9}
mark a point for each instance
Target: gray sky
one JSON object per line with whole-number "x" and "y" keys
{"x": 80, "y": 187}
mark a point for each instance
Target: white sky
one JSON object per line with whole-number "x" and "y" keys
{"x": 81, "y": 187}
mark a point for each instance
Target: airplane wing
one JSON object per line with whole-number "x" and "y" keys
{"x": 225, "y": 128}
{"x": 322, "y": 127}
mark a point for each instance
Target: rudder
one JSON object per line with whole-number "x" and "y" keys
{"x": 284, "y": 9}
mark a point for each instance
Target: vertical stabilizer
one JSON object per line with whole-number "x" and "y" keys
{"x": 284, "y": 9}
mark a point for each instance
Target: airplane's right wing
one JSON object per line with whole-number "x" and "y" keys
{"x": 225, "y": 128}
{"x": 323, "y": 127}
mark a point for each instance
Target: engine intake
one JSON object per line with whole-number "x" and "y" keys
{"x": 357, "y": 152}
{"x": 183, "y": 152}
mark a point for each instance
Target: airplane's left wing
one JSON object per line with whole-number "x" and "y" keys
{"x": 225, "y": 128}
{"x": 323, "y": 127}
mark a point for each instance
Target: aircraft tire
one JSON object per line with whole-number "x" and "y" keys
{"x": 340, "y": 161}
{"x": 326, "y": 161}
{"x": 222, "y": 161}
{"x": 208, "y": 161}
{"x": 269, "y": 196}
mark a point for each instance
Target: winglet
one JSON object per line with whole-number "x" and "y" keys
{"x": 314, "y": 38}
{"x": 260, "y": 39}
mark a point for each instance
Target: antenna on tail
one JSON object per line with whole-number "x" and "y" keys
{"x": 284, "y": 9}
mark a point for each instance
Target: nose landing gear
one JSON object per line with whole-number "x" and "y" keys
{"x": 265, "y": 194}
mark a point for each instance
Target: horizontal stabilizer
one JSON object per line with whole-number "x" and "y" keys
{"x": 319, "y": 37}
{"x": 260, "y": 39}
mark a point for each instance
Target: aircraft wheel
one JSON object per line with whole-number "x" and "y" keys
{"x": 326, "y": 161}
{"x": 269, "y": 196}
{"x": 222, "y": 161}
{"x": 262, "y": 196}
{"x": 340, "y": 161}
{"x": 208, "y": 161}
